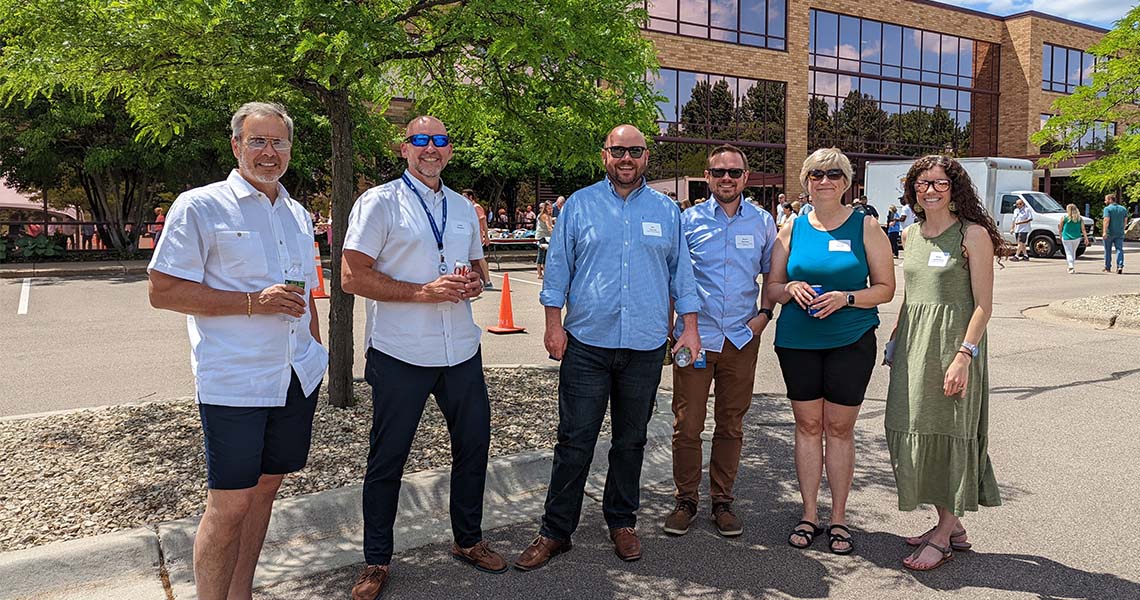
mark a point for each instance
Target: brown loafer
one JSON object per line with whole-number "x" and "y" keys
{"x": 727, "y": 523}
{"x": 480, "y": 556}
{"x": 370, "y": 583}
{"x": 540, "y": 551}
{"x": 626, "y": 544}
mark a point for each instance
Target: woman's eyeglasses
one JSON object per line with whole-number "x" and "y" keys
{"x": 832, "y": 174}
{"x": 940, "y": 185}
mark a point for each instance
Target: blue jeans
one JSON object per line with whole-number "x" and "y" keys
{"x": 588, "y": 378}
{"x": 1109, "y": 242}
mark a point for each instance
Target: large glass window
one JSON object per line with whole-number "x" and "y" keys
{"x": 1095, "y": 137}
{"x": 879, "y": 89}
{"x": 1064, "y": 69}
{"x": 761, "y": 23}
{"x": 705, "y": 109}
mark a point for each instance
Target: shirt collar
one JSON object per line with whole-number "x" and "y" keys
{"x": 423, "y": 189}
{"x": 633, "y": 193}
{"x": 244, "y": 189}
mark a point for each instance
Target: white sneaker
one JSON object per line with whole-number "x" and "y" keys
{"x": 1072, "y": 270}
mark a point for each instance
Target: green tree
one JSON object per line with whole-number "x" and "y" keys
{"x": 819, "y": 123}
{"x": 861, "y": 125}
{"x": 1111, "y": 96}
{"x": 709, "y": 111}
{"x": 514, "y": 77}
{"x": 762, "y": 112}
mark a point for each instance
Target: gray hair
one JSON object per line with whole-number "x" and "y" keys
{"x": 259, "y": 109}
{"x": 824, "y": 159}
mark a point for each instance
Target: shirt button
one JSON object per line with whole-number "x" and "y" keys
{"x": 627, "y": 243}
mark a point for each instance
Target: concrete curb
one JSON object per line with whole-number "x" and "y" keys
{"x": 1100, "y": 319}
{"x": 55, "y": 269}
{"x": 307, "y": 534}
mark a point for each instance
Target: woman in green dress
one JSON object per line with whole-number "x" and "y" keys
{"x": 938, "y": 400}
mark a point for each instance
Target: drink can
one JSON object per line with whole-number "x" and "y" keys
{"x": 700, "y": 362}
{"x": 462, "y": 268}
{"x": 295, "y": 283}
{"x": 818, "y": 290}
{"x": 683, "y": 358}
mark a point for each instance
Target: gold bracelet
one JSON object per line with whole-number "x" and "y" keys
{"x": 248, "y": 305}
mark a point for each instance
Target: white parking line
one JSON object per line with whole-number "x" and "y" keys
{"x": 25, "y": 290}
{"x": 521, "y": 280}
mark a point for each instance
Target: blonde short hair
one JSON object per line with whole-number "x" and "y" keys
{"x": 824, "y": 159}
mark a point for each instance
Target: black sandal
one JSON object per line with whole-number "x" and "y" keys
{"x": 808, "y": 536}
{"x": 834, "y": 538}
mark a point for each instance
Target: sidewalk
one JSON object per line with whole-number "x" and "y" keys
{"x": 308, "y": 535}
{"x": 73, "y": 269}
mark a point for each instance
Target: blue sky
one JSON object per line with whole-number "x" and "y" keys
{"x": 1101, "y": 13}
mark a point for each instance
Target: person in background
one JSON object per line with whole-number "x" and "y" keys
{"x": 906, "y": 216}
{"x": 87, "y": 234}
{"x": 544, "y": 227}
{"x": 1115, "y": 217}
{"x": 786, "y": 214}
{"x": 894, "y": 228}
{"x": 830, "y": 269}
{"x": 481, "y": 215}
{"x": 937, "y": 414}
{"x": 1022, "y": 224}
{"x": 1072, "y": 231}
{"x": 156, "y": 227}
{"x": 805, "y": 204}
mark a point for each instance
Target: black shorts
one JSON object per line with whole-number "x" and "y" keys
{"x": 244, "y": 442}
{"x": 1022, "y": 236}
{"x": 838, "y": 375}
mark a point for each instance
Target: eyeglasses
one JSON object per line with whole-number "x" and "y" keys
{"x": 940, "y": 185}
{"x": 259, "y": 143}
{"x": 620, "y": 151}
{"x": 832, "y": 174}
{"x": 733, "y": 173}
{"x": 420, "y": 140}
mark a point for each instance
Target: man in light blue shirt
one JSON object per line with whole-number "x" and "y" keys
{"x": 1115, "y": 217}
{"x": 616, "y": 260}
{"x": 805, "y": 204}
{"x": 731, "y": 245}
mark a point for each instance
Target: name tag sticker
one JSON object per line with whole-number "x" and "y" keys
{"x": 461, "y": 227}
{"x": 938, "y": 259}
{"x": 653, "y": 229}
{"x": 839, "y": 245}
{"x": 745, "y": 242}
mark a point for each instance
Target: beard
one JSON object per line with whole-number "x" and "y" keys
{"x": 625, "y": 177}
{"x": 249, "y": 167}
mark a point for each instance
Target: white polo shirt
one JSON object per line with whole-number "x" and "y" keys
{"x": 389, "y": 224}
{"x": 228, "y": 236}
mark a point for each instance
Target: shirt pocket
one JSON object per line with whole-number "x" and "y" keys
{"x": 457, "y": 245}
{"x": 241, "y": 254}
{"x": 308, "y": 258}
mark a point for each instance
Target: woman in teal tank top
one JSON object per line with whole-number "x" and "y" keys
{"x": 1072, "y": 230}
{"x": 825, "y": 335}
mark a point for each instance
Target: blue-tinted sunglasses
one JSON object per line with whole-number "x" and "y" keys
{"x": 420, "y": 140}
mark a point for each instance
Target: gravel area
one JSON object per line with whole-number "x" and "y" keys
{"x": 96, "y": 471}
{"x": 1121, "y": 305}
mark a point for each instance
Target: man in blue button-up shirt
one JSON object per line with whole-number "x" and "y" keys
{"x": 731, "y": 245}
{"x": 616, "y": 260}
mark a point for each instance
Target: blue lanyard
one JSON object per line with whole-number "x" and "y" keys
{"x": 436, "y": 231}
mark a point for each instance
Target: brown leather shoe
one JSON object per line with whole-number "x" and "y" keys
{"x": 727, "y": 523}
{"x": 626, "y": 544}
{"x": 370, "y": 583}
{"x": 677, "y": 523}
{"x": 480, "y": 556}
{"x": 540, "y": 551}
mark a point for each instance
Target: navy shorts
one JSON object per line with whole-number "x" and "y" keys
{"x": 245, "y": 442}
{"x": 838, "y": 375}
{"x": 1022, "y": 236}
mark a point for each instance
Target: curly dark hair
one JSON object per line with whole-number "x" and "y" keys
{"x": 963, "y": 197}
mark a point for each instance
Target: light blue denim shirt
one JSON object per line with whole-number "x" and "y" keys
{"x": 614, "y": 264}
{"x": 729, "y": 255}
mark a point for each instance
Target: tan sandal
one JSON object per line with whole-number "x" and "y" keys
{"x": 947, "y": 555}
{"x": 960, "y": 546}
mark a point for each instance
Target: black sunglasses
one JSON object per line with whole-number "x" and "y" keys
{"x": 620, "y": 151}
{"x": 832, "y": 174}
{"x": 421, "y": 140}
{"x": 733, "y": 173}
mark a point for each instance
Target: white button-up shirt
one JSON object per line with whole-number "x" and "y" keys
{"x": 228, "y": 236}
{"x": 389, "y": 224}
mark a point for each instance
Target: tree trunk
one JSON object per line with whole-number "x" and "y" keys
{"x": 340, "y": 303}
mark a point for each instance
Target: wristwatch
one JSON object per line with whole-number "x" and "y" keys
{"x": 971, "y": 348}
{"x": 850, "y": 299}
{"x": 767, "y": 312}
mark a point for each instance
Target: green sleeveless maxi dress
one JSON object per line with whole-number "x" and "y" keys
{"x": 938, "y": 444}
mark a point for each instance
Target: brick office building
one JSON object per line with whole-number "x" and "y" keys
{"x": 879, "y": 79}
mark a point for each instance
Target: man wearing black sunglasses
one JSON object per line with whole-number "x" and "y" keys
{"x": 616, "y": 260}
{"x": 414, "y": 250}
{"x": 731, "y": 244}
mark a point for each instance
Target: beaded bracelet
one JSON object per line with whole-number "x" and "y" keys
{"x": 248, "y": 305}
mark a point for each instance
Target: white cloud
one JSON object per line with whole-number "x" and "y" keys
{"x": 1101, "y": 13}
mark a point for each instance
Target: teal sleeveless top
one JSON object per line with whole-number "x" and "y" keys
{"x": 1071, "y": 229}
{"x": 836, "y": 260}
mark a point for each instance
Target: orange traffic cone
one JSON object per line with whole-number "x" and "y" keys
{"x": 506, "y": 315}
{"x": 320, "y": 291}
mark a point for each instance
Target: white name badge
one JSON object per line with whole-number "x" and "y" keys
{"x": 839, "y": 245}
{"x": 745, "y": 242}
{"x": 653, "y": 229}
{"x": 938, "y": 259}
{"x": 461, "y": 227}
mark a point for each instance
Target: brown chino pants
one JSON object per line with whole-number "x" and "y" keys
{"x": 733, "y": 371}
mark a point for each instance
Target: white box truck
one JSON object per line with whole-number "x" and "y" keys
{"x": 999, "y": 183}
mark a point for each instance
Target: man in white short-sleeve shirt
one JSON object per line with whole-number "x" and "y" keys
{"x": 236, "y": 257}
{"x": 414, "y": 250}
